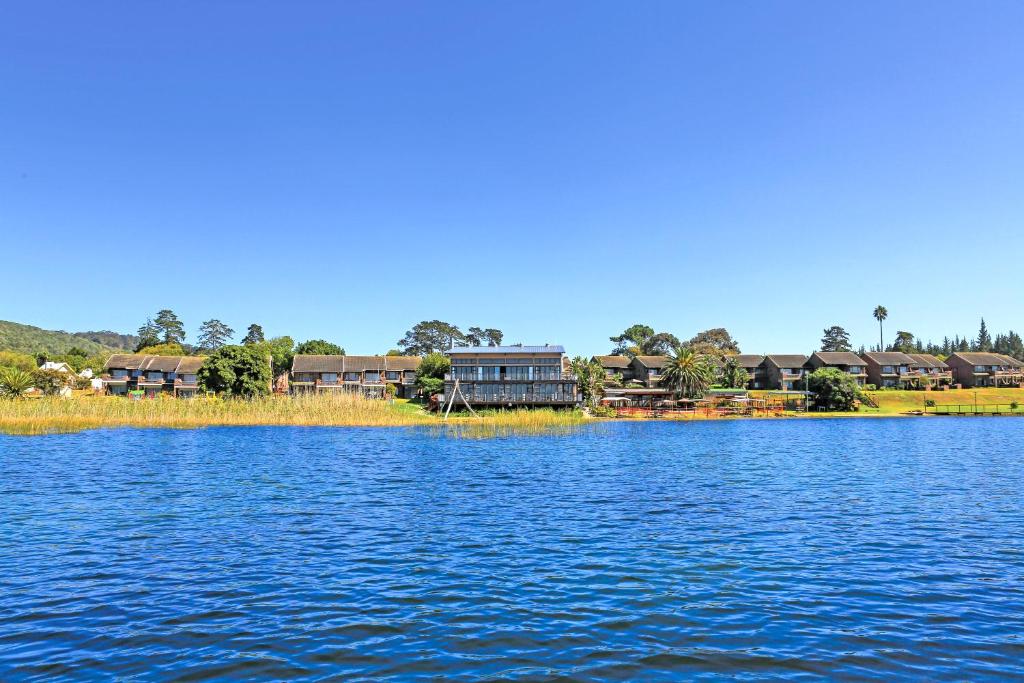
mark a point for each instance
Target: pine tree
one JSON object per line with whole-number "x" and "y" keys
{"x": 984, "y": 340}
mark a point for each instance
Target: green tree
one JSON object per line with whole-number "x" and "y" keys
{"x": 835, "y": 338}
{"x": 149, "y": 335}
{"x": 235, "y": 370}
{"x": 733, "y": 376}
{"x": 430, "y": 336}
{"x": 52, "y": 382}
{"x": 714, "y": 342}
{"x": 483, "y": 337}
{"x": 214, "y": 334}
{"x": 19, "y": 361}
{"x": 833, "y": 389}
{"x": 881, "y": 313}
{"x": 589, "y": 378}
{"x": 163, "y": 350}
{"x": 14, "y": 382}
{"x": 281, "y": 351}
{"x": 171, "y": 329}
{"x": 318, "y": 347}
{"x": 254, "y": 335}
{"x": 687, "y": 372}
{"x": 431, "y": 372}
{"x": 904, "y": 342}
{"x": 642, "y": 340}
{"x": 984, "y": 340}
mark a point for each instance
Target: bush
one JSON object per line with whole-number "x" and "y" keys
{"x": 834, "y": 389}
{"x": 14, "y": 382}
{"x": 870, "y": 387}
{"x": 237, "y": 370}
{"x": 1014, "y": 405}
{"x": 603, "y": 411}
{"x": 929, "y": 403}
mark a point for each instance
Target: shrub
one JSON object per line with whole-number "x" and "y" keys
{"x": 14, "y": 382}
{"x": 929, "y": 403}
{"x": 51, "y": 382}
{"x": 1014, "y": 405}
{"x": 833, "y": 389}
{"x": 237, "y": 370}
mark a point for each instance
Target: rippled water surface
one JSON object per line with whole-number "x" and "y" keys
{"x": 885, "y": 549}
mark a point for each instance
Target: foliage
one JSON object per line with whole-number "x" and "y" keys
{"x": 429, "y": 385}
{"x": 714, "y": 342}
{"x": 237, "y": 370}
{"x": 880, "y": 313}
{"x": 173, "y": 349}
{"x": 929, "y": 403}
{"x": 390, "y": 390}
{"x": 52, "y": 382}
{"x": 984, "y": 340}
{"x": 281, "y": 351}
{"x": 833, "y": 389}
{"x": 430, "y": 336}
{"x": 393, "y": 352}
{"x": 589, "y": 377}
{"x": 14, "y": 382}
{"x": 171, "y": 329}
{"x": 835, "y": 338}
{"x": 214, "y": 334}
{"x": 318, "y": 347}
{"x": 109, "y": 339}
{"x": 253, "y": 335}
{"x": 32, "y": 340}
{"x": 904, "y": 342}
{"x": 430, "y": 374}
{"x": 733, "y": 376}
{"x": 148, "y": 335}
{"x": 688, "y": 373}
{"x": 19, "y": 361}
{"x": 641, "y": 340}
{"x": 483, "y": 337}
{"x": 603, "y": 411}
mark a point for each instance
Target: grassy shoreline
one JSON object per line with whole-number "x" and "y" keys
{"x": 55, "y": 415}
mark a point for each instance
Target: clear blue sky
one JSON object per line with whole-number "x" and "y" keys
{"x": 557, "y": 170}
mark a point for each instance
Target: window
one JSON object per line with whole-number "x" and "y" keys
{"x": 329, "y": 378}
{"x": 393, "y": 375}
{"x": 351, "y": 376}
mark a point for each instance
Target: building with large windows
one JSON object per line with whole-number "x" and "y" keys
{"x": 369, "y": 375}
{"x": 510, "y": 376}
{"x": 152, "y": 375}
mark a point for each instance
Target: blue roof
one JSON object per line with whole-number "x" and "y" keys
{"x": 551, "y": 348}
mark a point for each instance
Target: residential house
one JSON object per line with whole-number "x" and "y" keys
{"x": 754, "y": 365}
{"x": 510, "y": 376}
{"x": 783, "y": 371}
{"x": 985, "y": 369}
{"x": 931, "y": 372}
{"x": 647, "y": 370}
{"x": 58, "y": 366}
{"x": 615, "y": 365}
{"x": 890, "y": 369}
{"x": 368, "y": 375}
{"x": 845, "y": 361}
{"x": 153, "y": 375}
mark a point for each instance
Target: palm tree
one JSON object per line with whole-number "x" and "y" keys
{"x": 14, "y": 382}
{"x": 881, "y": 313}
{"x": 688, "y": 373}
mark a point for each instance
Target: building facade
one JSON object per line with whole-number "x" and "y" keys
{"x": 647, "y": 370}
{"x": 615, "y": 366}
{"x": 889, "y": 369}
{"x": 510, "y": 376}
{"x": 368, "y": 375}
{"x": 783, "y": 371}
{"x": 754, "y": 365}
{"x": 985, "y": 369}
{"x": 931, "y": 372}
{"x": 152, "y": 375}
{"x": 848, "y": 362}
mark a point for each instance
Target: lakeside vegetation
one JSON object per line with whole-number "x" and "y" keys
{"x": 48, "y": 415}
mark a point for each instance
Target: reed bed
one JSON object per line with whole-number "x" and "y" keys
{"x": 56, "y": 415}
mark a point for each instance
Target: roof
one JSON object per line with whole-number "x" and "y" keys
{"x": 748, "y": 360}
{"x": 613, "y": 361}
{"x": 1011, "y": 361}
{"x": 336, "y": 363}
{"x": 402, "y": 362}
{"x": 126, "y": 361}
{"x": 507, "y": 350}
{"x": 981, "y": 358}
{"x": 190, "y": 365}
{"x": 926, "y": 360}
{"x": 837, "y": 358}
{"x": 160, "y": 363}
{"x": 652, "y": 361}
{"x": 889, "y": 358}
{"x": 787, "y": 360}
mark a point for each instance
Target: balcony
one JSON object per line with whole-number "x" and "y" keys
{"x": 504, "y": 399}
{"x": 564, "y": 377}
{"x": 151, "y": 381}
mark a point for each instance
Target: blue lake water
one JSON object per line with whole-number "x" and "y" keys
{"x": 862, "y": 549}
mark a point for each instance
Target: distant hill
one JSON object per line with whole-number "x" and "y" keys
{"x": 30, "y": 339}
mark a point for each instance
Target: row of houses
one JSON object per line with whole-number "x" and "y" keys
{"x": 787, "y": 372}
{"x": 540, "y": 375}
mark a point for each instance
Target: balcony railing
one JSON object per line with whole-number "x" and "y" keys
{"x": 564, "y": 377}
{"x": 517, "y": 398}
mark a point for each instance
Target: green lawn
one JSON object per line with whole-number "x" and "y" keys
{"x": 904, "y": 401}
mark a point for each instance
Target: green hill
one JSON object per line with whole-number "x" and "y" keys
{"x": 32, "y": 340}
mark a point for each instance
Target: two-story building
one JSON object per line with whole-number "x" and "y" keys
{"x": 978, "y": 369}
{"x": 845, "y": 361}
{"x": 510, "y": 376}
{"x": 368, "y": 375}
{"x": 647, "y": 370}
{"x": 153, "y": 375}
{"x": 614, "y": 366}
{"x": 890, "y": 369}
{"x": 754, "y": 365}
{"x": 784, "y": 371}
{"x": 930, "y": 372}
